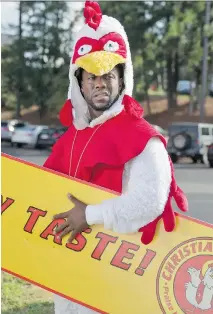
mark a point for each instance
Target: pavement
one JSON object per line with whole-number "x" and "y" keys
{"x": 195, "y": 179}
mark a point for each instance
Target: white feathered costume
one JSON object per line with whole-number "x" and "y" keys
{"x": 147, "y": 179}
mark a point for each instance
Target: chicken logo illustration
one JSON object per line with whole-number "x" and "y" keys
{"x": 199, "y": 292}
{"x": 185, "y": 278}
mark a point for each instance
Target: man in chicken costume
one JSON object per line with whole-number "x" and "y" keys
{"x": 109, "y": 144}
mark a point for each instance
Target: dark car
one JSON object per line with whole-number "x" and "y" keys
{"x": 210, "y": 155}
{"x": 58, "y": 133}
{"x": 48, "y": 137}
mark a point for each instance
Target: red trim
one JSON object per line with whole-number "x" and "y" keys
{"x": 52, "y": 291}
{"x": 93, "y": 185}
{"x": 206, "y": 224}
{"x": 58, "y": 173}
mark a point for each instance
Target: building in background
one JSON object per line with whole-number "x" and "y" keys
{"x": 6, "y": 39}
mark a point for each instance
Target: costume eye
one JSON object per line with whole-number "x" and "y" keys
{"x": 84, "y": 49}
{"x": 111, "y": 46}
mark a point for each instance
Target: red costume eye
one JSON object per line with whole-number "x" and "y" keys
{"x": 113, "y": 42}
{"x": 111, "y": 46}
{"x": 84, "y": 46}
{"x": 84, "y": 49}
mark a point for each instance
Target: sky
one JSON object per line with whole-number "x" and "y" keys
{"x": 9, "y": 13}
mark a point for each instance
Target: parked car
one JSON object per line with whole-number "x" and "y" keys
{"x": 5, "y": 132}
{"x": 48, "y": 137}
{"x": 210, "y": 155}
{"x": 184, "y": 87}
{"x": 45, "y": 138}
{"x": 27, "y": 135}
{"x": 161, "y": 131}
{"x": 188, "y": 139}
{"x": 59, "y": 132}
{"x": 16, "y": 124}
{"x": 9, "y": 126}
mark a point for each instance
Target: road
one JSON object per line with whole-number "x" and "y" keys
{"x": 195, "y": 180}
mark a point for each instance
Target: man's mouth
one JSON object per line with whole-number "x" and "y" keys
{"x": 101, "y": 94}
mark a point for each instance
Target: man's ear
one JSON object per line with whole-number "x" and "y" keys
{"x": 82, "y": 89}
{"x": 121, "y": 85}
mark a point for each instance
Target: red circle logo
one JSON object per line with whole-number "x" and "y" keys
{"x": 185, "y": 278}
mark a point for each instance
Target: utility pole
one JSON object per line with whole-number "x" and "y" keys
{"x": 205, "y": 63}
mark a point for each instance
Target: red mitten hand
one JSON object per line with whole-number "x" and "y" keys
{"x": 177, "y": 193}
{"x": 181, "y": 200}
{"x": 149, "y": 231}
{"x": 169, "y": 216}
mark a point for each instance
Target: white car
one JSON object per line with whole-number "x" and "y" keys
{"x": 5, "y": 132}
{"x": 28, "y": 135}
{"x": 9, "y": 126}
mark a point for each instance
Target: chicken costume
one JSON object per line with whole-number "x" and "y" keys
{"x": 119, "y": 150}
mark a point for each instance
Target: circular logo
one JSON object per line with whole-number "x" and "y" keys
{"x": 185, "y": 278}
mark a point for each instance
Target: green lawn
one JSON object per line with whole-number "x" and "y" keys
{"x": 20, "y": 297}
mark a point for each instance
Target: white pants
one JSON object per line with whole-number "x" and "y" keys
{"x": 64, "y": 306}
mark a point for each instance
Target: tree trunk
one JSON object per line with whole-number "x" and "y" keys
{"x": 41, "y": 80}
{"x": 176, "y": 68}
{"x": 149, "y": 111}
{"x": 42, "y": 110}
{"x": 144, "y": 77}
{"x": 197, "y": 93}
{"x": 171, "y": 89}
{"x": 162, "y": 77}
{"x": 21, "y": 64}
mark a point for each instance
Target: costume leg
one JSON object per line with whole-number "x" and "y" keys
{"x": 64, "y": 306}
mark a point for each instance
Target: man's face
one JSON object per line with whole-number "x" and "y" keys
{"x": 100, "y": 92}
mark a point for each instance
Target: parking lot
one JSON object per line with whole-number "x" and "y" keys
{"x": 195, "y": 179}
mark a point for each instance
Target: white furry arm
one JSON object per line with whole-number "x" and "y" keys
{"x": 146, "y": 184}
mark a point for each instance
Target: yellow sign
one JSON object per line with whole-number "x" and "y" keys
{"x": 105, "y": 271}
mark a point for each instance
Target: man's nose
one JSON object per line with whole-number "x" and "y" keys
{"x": 100, "y": 82}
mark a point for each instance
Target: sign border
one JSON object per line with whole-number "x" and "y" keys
{"x": 100, "y": 188}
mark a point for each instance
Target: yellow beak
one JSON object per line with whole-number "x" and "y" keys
{"x": 99, "y": 62}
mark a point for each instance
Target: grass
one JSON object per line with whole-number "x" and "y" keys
{"x": 20, "y": 297}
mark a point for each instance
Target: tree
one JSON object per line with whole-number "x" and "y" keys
{"x": 164, "y": 37}
{"x": 45, "y": 36}
{"x": 166, "y": 40}
{"x": 43, "y": 61}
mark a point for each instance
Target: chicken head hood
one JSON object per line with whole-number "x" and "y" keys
{"x": 99, "y": 46}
